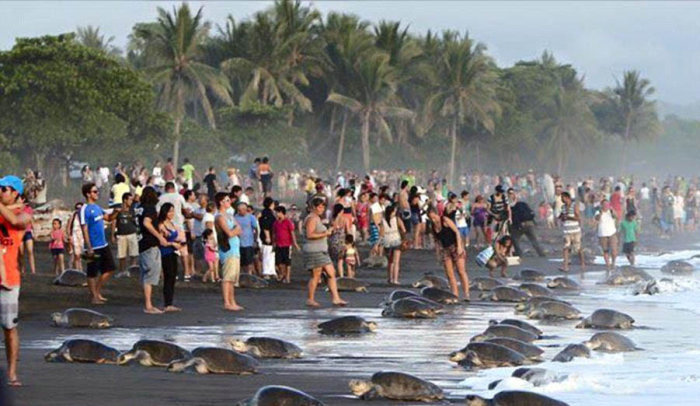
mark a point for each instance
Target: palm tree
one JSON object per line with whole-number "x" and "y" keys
{"x": 173, "y": 53}
{"x": 376, "y": 99}
{"x": 90, "y": 37}
{"x": 466, "y": 91}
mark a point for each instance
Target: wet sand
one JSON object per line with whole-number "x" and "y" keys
{"x": 87, "y": 384}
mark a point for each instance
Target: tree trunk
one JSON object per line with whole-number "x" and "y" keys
{"x": 625, "y": 141}
{"x": 332, "y": 126}
{"x": 453, "y": 151}
{"x": 365, "y": 141}
{"x": 478, "y": 158}
{"x": 341, "y": 144}
{"x": 176, "y": 144}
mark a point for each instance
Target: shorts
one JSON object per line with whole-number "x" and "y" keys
{"x": 28, "y": 236}
{"x": 127, "y": 245}
{"x": 406, "y": 219}
{"x": 9, "y": 308}
{"x": 450, "y": 253}
{"x": 628, "y": 247}
{"x": 189, "y": 241}
{"x": 282, "y": 256}
{"x": 231, "y": 270}
{"x": 373, "y": 234}
{"x": 57, "y": 251}
{"x": 151, "y": 266}
{"x": 198, "y": 249}
{"x": 101, "y": 264}
{"x": 247, "y": 256}
{"x": 573, "y": 241}
{"x": 464, "y": 232}
{"x": 77, "y": 244}
{"x": 608, "y": 243}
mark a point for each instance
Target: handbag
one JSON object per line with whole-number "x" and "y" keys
{"x": 484, "y": 256}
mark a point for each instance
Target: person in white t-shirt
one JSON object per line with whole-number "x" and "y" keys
{"x": 607, "y": 233}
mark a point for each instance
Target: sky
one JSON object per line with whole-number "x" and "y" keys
{"x": 600, "y": 39}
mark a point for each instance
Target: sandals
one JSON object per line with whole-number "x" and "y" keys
{"x": 15, "y": 383}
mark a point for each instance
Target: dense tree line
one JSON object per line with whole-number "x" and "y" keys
{"x": 293, "y": 83}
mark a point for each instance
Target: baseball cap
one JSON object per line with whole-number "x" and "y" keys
{"x": 14, "y": 182}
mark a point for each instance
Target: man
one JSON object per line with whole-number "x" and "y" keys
{"x": 149, "y": 247}
{"x": 500, "y": 210}
{"x": 376, "y": 213}
{"x": 236, "y": 195}
{"x": 249, "y": 226}
{"x": 404, "y": 207}
{"x": 523, "y": 224}
{"x": 100, "y": 263}
{"x": 198, "y": 228}
{"x": 124, "y": 234}
{"x": 211, "y": 183}
{"x": 189, "y": 173}
{"x": 13, "y": 222}
{"x": 169, "y": 171}
{"x": 253, "y": 174}
{"x": 571, "y": 225}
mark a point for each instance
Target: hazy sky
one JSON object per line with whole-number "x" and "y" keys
{"x": 601, "y": 39}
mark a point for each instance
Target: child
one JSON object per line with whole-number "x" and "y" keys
{"x": 56, "y": 246}
{"x": 210, "y": 256}
{"x": 630, "y": 230}
{"x": 352, "y": 257}
{"x": 283, "y": 239}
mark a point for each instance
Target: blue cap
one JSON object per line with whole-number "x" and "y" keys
{"x": 13, "y": 182}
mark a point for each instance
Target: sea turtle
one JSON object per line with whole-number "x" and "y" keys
{"x": 483, "y": 283}
{"x": 675, "y": 267}
{"x": 626, "y": 275}
{"x": 249, "y": 281}
{"x": 87, "y": 351}
{"x": 553, "y": 310}
{"x": 530, "y": 351}
{"x": 76, "y": 317}
{"x": 71, "y": 277}
{"x": 572, "y": 351}
{"x": 514, "y": 398}
{"x": 488, "y": 355}
{"x": 396, "y": 386}
{"x": 437, "y": 307}
{"x": 399, "y": 294}
{"x": 206, "y": 360}
{"x": 273, "y": 395}
{"x": 529, "y": 275}
{"x": 266, "y": 347}
{"x": 409, "y": 307}
{"x": 534, "y": 289}
{"x": 431, "y": 281}
{"x": 534, "y": 301}
{"x": 351, "y": 285}
{"x": 439, "y": 295}
{"x": 535, "y": 376}
{"x": 347, "y": 325}
{"x": 609, "y": 341}
{"x": 655, "y": 286}
{"x": 505, "y": 294}
{"x": 607, "y": 318}
{"x": 520, "y": 324}
{"x": 154, "y": 353}
{"x": 504, "y": 330}
{"x": 562, "y": 282}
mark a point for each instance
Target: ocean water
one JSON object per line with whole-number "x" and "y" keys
{"x": 668, "y": 329}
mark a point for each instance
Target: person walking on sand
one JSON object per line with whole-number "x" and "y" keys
{"x": 13, "y": 223}
{"x": 315, "y": 249}
{"x": 228, "y": 231}
{"x": 606, "y": 219}
{"x": 100, "y": 261}
{"x": 56, "y": 245}
{"x": 570, "y": 218}
{"x": 451, "y": 249}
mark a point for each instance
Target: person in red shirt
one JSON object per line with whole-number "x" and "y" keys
{"x": 13, "y": 222}
{"x": 284, "y": 238}
{"x": 616, "y": 204}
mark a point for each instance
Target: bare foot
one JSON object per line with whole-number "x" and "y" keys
{"x": 14, "y": 382}
{"x": 565, "y": 270}
{"x": 233, "y": 308}
{"x": 340, "y": 303}
{"x": 171, "y": 308}
{"x": 152, "y": 310}
{"x": 312, "y": 303}
{"x": 97, "y": 302}
{"x": 102, "y": 298}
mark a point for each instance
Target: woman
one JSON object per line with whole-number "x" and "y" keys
{"x": 315, "y": 250}
{"x": 167, "y": 254}
{"x": 266, "y": 222}
{"x": 27, "y": 245}
{"x": 451, "y": 248}
{"x": 414, "y": 202}
{"x": 607, "y": 233}
{"x": 480, "y": 212}
{"x": 233, "y": 179}
{"x": 265, "y": 176}
{"x": 75, "y": 237}
{"x": 501, "y": 250}
{"x": 392, "y": 232}
{"x": 363, "y": 215}
{"x": 227, "y": 232}
{"x": 340, "y": 227}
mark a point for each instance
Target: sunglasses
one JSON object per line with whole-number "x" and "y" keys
{"x": 95, "y": 191}
{"x": 6, "y": 188}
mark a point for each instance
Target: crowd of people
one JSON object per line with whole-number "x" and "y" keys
{"x": 216, "y": 225}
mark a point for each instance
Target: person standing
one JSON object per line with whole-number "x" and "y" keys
{"x": 211, "y": 183}
{"x": 27, "y": 245}
{"x": 75, "y": 238}
{"x": 393, "y": 232}
{"x": 124, "y": 233}
{"x": 99, "y": 257}
{"x": 149, "y": 242}
{"x": 249, "y": 226}
{"x": 168, "y": 257}
{"x": 607, "y": 233}
{"x": 189, "y": 173}
{"x": 629, "y": 228}
{"x": 181, "y": 212}
{"x": 267, "y": 220}
{"x": 570, "y": 218}
{"x": 264, "y": 175}
{"x": 13, "y": 223}
{"x": 451, "y": 249}
{"x": 118, "y": 190}
{"x": 523, "y": 224}
{"x": 228, "y": 232}
{"x": 284, "y": 238}
{"x": 169, "y": 171}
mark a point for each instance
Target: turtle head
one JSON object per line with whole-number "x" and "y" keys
{"x": 179, "y": 365}
{"x": 493, "y": 322}
{"x": 520, "y": 307}
{"x": 238, "y": 345}
{"x": 476, "y": 400}
{"x": 591, "y": 344}
{"x": 552, "y": 284}
{"x": 581, "y": 324}
{"x": 56, "y": 318}
{"x": 478, "y": 338}
{"x": 456, "y": 356}
{"x": 372, "y": 326}
{"x": 486, "y": 296}
{"x": 534, "y": 314}
{"x": 52, "y": 356}
{"x": 471, "y": 358}
{"x": 141, "y": 356}
{"x": 359, "y": 387}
